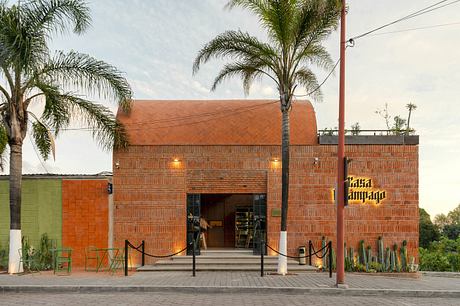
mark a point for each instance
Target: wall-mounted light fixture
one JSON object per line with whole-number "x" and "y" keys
{"x": 316, "y": 161}
{"x": 176, "y": 160}
{"x": 117, "y": 164}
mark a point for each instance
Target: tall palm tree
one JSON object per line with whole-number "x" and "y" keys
{"x": 31, "y": 75}
{"x": 296, "y": 29}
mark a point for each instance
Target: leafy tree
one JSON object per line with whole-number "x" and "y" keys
{"x": 296, "y": 30}
{"x": 449, "y": 225}
{"x": 32, "y": 75}
{"x": 398, "y": 125}
{"x": 428, "y": 232}
{"x": 355, "y": 129}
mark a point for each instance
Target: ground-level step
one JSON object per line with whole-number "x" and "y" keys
{"x": 217, "y": 267}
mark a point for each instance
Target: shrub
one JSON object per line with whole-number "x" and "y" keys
{"x": 433, "y": 261}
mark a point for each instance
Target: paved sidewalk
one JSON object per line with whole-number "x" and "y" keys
{"x": 231, "y": 282}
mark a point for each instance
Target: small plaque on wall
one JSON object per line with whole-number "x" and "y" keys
{"x": 216, "y": 223}
{"x": 276, "y": 212}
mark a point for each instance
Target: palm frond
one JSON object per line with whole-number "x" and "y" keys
{"x": 57, "y": 15}
{"x": 274, "y": 16}
{"x": 56, "y": 111}
{"x": 307, "y": 79}
{"x": 247, "y": 70}
{"x": 315, "y": 54}
{"x": 43, "y": 139}
{"x": 3, "y": 144}
{"x": 315, "y": 21}
{"x": 106, "y": 129}
{"x": 21, "y": 46}
{"x": 93, "y": 76}
{"x": 236, "y": 44}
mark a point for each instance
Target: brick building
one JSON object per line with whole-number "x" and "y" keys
{"x": 221, "y": 160}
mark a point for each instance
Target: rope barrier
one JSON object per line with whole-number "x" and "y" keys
{"x": 298, "y": 257}
{"x": 158, "y": 256}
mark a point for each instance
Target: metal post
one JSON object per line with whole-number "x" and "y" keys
{"x": 262, "y": 244}
{"x": 143, "y": 255}
{"x": 330, "y": 258}
{"x": 309, "y": 252}
{"x": 126, "y": 257}
{"x": 340, "y": 155}
{"x": 193, "y": 256}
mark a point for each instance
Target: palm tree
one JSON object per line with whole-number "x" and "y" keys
{"x": 296, "y": 29}
{"x": 411, "y": 107}
{"x": 31, "y": 75}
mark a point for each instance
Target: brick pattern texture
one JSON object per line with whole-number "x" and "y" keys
{"x": 84, "y": 216}
{"x": 150, "y": 192}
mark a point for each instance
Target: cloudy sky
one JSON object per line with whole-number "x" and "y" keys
{"x": 155, "y": 41}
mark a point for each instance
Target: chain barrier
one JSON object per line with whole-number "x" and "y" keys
{"x": 157, "y": 256}
{"x": 327, "y": 247}
{"x": 141, "y": 249}
{"x": 298, "y": 257}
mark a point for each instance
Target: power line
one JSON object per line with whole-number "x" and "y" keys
{"x": 322, "y": 83}
{"x": 220, "y": 114}
{"x": 430, "y": 8}
{"x": 205, "y": 114}
{"x": 38, "y": 155}
{"x": 418, "y": 28}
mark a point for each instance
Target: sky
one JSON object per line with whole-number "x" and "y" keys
{"x": 154, "y": 42}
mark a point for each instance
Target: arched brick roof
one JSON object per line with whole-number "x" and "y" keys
{"x": 217, "y": 122}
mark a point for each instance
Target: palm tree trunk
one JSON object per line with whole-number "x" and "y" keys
{"x": 282, "y": 260}
{"x": 408, "y": 122}
{"x": 14, "y": 265}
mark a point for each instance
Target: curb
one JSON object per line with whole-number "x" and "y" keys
{"x": 235, "y": 290}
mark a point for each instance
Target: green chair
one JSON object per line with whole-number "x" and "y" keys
{"x": 117, "y": 261}
{"x": 30, "y": 262}
{"x": 62, "y": 259}
{"x": 91, "y": 254}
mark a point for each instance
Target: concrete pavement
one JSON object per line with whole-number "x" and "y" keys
{"x": 232, "y": 282}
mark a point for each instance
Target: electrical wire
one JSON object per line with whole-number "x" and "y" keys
{"x": 322, "y": 83}
{"x": 418, "y": 28}
{"x": 428, "y": 9}
{"x": 38, "y": 155}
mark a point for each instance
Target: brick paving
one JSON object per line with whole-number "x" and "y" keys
{"x": 209, "y": 299}
{"x": 230, "y": 279}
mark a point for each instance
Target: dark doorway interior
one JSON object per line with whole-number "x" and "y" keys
{"x": 231, "y": 218}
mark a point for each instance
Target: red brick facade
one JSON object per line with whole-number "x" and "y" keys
{"x": 84, "y": 216}
{"x": 236, "y": 154}
{"x": 151, "y": 189}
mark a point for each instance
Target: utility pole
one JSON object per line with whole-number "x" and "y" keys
{"x": 341, "y": 157}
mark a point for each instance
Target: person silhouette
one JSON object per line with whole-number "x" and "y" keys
{"x": 204, "y": 225}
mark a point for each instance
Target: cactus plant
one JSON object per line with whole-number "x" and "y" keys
{"x": 380, "y": 251}
{"x": 404, "y": 259}
{"x": 368, "y": 256}
{"x": 352, "y": 257}
{"x": 387, "y": 260}
{"x": 362, "y": 253}
{"x": 396, "y": 261}
{"x": 392, "y": 261}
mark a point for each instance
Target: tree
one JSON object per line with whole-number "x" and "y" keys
{"x": 296, "y": 29}
{"x": 428, "y": 232}
{"x": 449, "y": 225}
{"x": 410, "y": 107}
{"x": 32, "y": 75}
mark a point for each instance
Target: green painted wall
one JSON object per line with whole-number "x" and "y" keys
{"x": 41, "y": 210}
